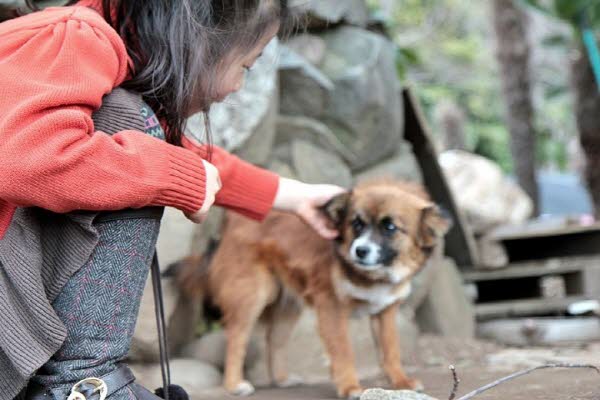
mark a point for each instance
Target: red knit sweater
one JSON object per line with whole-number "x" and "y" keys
{"x": 55, "y": 67}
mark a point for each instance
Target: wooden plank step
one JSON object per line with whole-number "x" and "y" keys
{"x": 552, "y": 266}
{"x": 524, "y": 308}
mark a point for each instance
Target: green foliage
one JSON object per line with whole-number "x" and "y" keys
{"x": 447, "y": 53}
{"x": 572, "y": 11}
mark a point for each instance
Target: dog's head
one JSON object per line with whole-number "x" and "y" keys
{"x": 387, "y": 229}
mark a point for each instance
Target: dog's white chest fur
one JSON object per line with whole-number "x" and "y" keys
{"x": 373, "y": 299}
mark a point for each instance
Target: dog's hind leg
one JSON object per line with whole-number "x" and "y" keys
{"x": 242, "y": 312}
{"x": 281, "y": 319}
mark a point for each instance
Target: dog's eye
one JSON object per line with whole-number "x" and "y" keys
{"x": 388, "y": 226}
{"x": 358, "y": 225}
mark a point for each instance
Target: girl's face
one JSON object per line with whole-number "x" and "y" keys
{"x": 233, "y": 70}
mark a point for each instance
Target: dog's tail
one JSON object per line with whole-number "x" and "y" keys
{"x": 191, "y": 272}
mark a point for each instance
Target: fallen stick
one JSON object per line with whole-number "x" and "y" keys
{"x": 510, "y": 377}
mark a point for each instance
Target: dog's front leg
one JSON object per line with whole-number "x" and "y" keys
{"x": 390, "y": 358}
{"x": 333, "y": 329}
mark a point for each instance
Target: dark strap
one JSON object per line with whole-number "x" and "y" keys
{"x": 160, "y": 323}
{"x": 130, "y": 213}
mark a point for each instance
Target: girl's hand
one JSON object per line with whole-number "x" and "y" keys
{"x": 305, "y": 199}
{"x": 213, "y": 185}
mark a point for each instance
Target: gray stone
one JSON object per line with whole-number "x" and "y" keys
{"x": 290, "y": 128}
{"x": 282, "y": 169}
{"x": 315, "y": 165}
{"x": 311, "y": 47}
{"x": 446, "y": 311}
{"x": 304, "y": 89}
{"x": 365, "y": 110}
{"x": 324, "y": 12}
{"x": 175, "y": 238}
{"x": 422, "y": 282}
{"x": 380, "y": 394}
{"x": 402, "y": 165}
{"x": 250, "y": 112}
{"x": 210, "y": 348}
{"x": 193, "y": 375}
{"x": 209, "y": 230}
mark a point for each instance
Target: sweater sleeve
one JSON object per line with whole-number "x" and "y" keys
{"x": 52, "y": 77}
{"x": 247, "y": 189}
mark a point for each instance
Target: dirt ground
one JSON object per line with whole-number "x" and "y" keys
{"x": 477, "y": 363}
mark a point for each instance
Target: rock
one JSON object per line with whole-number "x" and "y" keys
{"x": 290, "y": 128}
{"x": 307, "y": 357}
{"x": 314, "y": 165}
{"x": 481, "y": 190}
{"x": 327, "y": 12}
{"x": 304, "y": 90}
{"x": 402, "y": 165}
{"x": 248, "y": 113}
{"x": 193, "y": 375}
{"x": 209, "y": 230}
{"x": 311, "y": 47}
{"x": 282, "y": 169}
{"x": 446, "y": 311}
{"x": 380, "y": 394}
{"x": 492, "y": 254}
{"x": 210, "y": 348}
{"x": 365, "y": 110}
{"x": 175, "y": 238}
{"x": 422, "y": 282}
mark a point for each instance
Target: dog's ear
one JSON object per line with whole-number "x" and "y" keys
{"x": 433, "y": 226}
{"x": 336, "y": 208}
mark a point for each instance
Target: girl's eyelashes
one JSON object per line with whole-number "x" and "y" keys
{"x": 248, "y": 69}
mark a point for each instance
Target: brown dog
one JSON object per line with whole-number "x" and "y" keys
{"x": 387, "y": 231}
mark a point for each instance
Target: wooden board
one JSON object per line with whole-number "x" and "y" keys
{"x": 523, "y": 308}
{"x": 460, "y": 243}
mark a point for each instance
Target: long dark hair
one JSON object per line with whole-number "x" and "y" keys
{"x": 177, "y": 47}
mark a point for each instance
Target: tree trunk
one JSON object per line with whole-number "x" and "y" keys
{"x": 587, "y": 114}
{"x": 513, "y": 56}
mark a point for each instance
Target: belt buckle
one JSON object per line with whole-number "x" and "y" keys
{"x": 99, "y": 385}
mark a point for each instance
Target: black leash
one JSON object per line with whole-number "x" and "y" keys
{"x": 160, "y": 324}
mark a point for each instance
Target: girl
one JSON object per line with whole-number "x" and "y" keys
{"x": 71, "y": 282}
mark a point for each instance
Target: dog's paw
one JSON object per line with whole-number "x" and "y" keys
{"x": 355, "y": 394}
{"x": 244, "y": 388}
{"x": 410, "y": 384}
{"x": 290, "y": 381}
{"x": 352, "y": 393}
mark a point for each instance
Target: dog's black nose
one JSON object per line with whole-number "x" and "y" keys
{"x": 362, "y": 251}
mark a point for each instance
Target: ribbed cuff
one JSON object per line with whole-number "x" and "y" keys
{"x": 249, "y": 190}
{"x": 186, "y": 187}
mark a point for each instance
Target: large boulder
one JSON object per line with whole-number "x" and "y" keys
{"x": 315, "y": 165}
{"x": 322, "y": 13}
{"x": 446, "y": 310}
{"x": 245, "y": 122}
{"x": 487, "y": 197}
{"x": 304, "y": 89}
{"x": 402, "y": 165}
{"x": 365, "y": 109}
